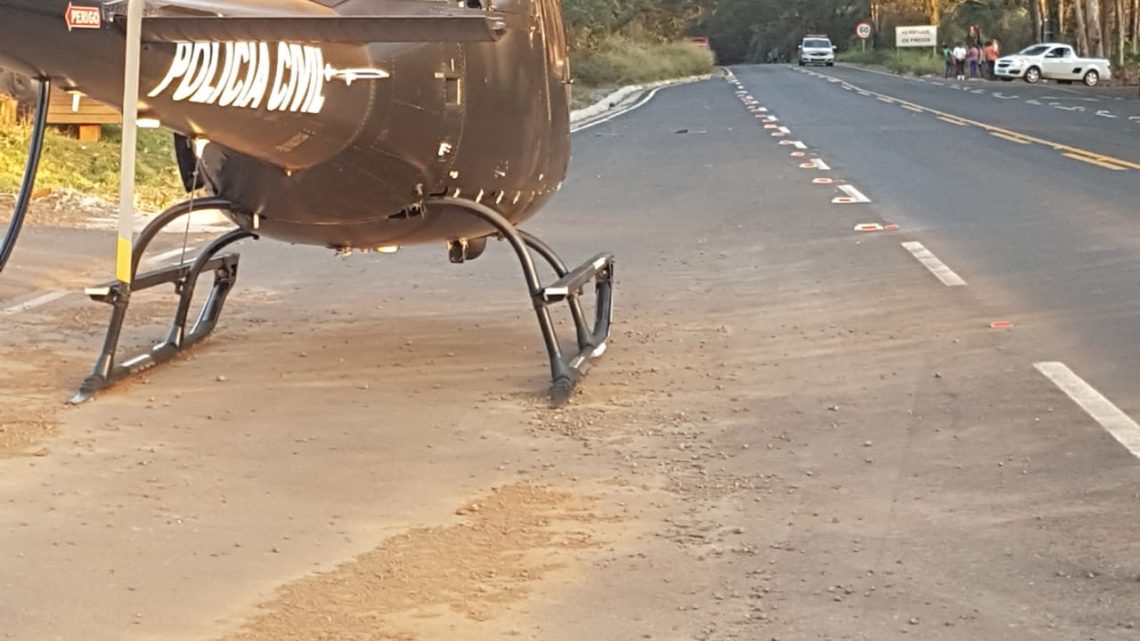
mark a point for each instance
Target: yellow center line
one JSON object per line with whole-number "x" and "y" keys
{"x": 1093, "y": 161}
{"x": 1018, "y": 140}
{"x": 912, "y": 108}
{"x": 951, "y": 121}
{"x": 1101, "y": 160}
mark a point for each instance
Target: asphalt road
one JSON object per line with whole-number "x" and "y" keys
{"x": 799, "y": 431}
{"x": 1102, "y": 118}
{"x": 1054, "y": 237}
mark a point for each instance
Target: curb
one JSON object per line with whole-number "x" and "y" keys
{"x": 613, "y": 100}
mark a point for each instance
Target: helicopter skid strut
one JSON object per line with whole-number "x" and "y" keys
{"x": 591, "y": 340}
{"x": 565, "y": 372}
{"x": 108, "y": 370}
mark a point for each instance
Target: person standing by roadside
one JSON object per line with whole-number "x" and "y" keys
{"x": 972, "y": 56}
{"x": 959, "y": 54}
{"x": 947, "y": 60}
{"x": 990, "y": 54}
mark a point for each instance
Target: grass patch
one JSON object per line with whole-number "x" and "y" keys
{"x": 92, "y": 168}
{"x": 905, "y": 61}
{"x": 619, "y": 62}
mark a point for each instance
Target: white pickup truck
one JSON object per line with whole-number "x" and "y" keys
{"x": 1052, "y": 61}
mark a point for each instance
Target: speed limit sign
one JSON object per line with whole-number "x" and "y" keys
{"x": 863, "y": 30}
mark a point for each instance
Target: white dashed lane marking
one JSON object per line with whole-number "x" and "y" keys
{"x": 38, "y": 301}
{"x": 936, "y": 267}
{"x": 158, "y": 258}
{"x": 1103, "y": 411}
{"x": 854, "y": 193}
{"x": 815, "y": 163}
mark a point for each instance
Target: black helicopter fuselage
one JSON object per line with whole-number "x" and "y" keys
{"x": 338, "y": 144}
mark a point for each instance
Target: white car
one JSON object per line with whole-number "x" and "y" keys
{"x": 1052, "y": 61}
{"x": 817, "y": 50}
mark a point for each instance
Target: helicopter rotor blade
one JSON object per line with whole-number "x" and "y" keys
{"x": 323, "y": 29}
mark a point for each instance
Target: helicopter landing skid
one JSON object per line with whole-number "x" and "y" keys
{"x": 591, "y": 339}
{"x": 108, "y": 371}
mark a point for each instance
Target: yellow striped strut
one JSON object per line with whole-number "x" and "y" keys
{"x": 123, "y": 259}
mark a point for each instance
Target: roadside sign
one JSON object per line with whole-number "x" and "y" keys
{"x": 863, "y": 30}
{"x": 80, "y": 17}
{"x": 916, "y": 36}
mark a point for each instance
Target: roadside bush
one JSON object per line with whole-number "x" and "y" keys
{"x": 868, "y": 57}
{"x": 622, "y": 62}
{"x": 905, "y": 61}
{"x": 917, "y": 62}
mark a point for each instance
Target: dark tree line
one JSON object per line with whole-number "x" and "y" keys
{"x": 590, "y": 23}
{"x": 759, "y": 30}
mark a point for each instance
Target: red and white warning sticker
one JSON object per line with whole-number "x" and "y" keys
{"x": 83, "y": 17}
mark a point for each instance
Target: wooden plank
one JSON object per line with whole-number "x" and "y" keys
{"x": 81, "y": 119}
{"x": 90, "y": 112}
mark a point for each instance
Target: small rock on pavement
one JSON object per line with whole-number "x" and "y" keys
{"x": 221, "y": 378}
{"x": 470, "y": 509}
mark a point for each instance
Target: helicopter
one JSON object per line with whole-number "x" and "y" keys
{"x": 356, "y": 125}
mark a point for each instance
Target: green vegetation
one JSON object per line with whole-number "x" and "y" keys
{"x": 619, "y": 42}
{"x": 92, "y": 168}
{"x": 620, "y": 61}
{"x": 592, "y": 24}
{"x": 919, "y": 63}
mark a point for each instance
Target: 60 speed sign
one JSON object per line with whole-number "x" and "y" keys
{"x": 863, "y": 30}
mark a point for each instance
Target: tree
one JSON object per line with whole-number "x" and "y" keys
{"x": 1136, "y": 27}
{"x": 933, "y": 11}
{"x": 1093, "y": 20}
{"x": 1081, "y": 28}
{"x": 1035, "y": 19}
{"x": 1120, "y": 24}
